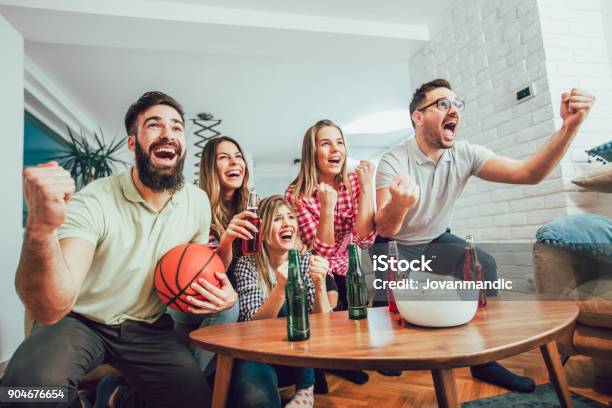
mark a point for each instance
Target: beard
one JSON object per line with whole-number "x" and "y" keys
{"x": 155, "y": 178}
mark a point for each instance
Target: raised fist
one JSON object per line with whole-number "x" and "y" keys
{"x": 47, "y": 188}
{"x": 404, "y": 191}
{"x": 327, "y": 196}
{"x": 365, "y": 173}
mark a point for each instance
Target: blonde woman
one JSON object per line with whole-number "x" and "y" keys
{"x": 224, "y": 175}
{"x": 334, "y": 208}
{"x": 260, "y": 280}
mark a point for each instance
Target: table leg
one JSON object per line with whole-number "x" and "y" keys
{"x": 556, "y": 373}
{"x": 444, "y": 383}
{"x": 223, "y": 377}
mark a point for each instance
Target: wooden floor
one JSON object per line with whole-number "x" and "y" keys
{"x": 415, "y": 388}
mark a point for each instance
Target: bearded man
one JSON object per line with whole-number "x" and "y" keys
{"x": 87, "y": 264}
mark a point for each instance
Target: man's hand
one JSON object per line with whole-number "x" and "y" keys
{"x": 47, "y": 188}
{"x": 327, "y": 197}
{"x": 575, "y": 107}
{"x": 214, "y": 299}
{"x": 319, "y": 267}
{"x": 404, "y": 192}
{"x": 365, "y": 174}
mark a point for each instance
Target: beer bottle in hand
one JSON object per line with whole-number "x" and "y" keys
{"x": 296, "y": 298}
{"x": 356, "y": 287}
{"x": 251, "y": 246}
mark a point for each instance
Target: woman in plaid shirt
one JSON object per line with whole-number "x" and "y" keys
{"x": 260, "y": 283}
{"x": 334, "y": 207}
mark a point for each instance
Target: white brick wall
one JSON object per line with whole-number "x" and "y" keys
{"x": 488, "y": 49}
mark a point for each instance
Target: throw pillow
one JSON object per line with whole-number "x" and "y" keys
{"x": 598, "y": 179}
{"x": 590, "y": 234}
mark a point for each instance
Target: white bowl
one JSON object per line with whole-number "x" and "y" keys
{"x": 436, "y": 307}
{"x": 437, "y": 313}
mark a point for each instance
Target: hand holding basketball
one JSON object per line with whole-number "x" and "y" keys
{"x": 47, "y": 188}
{"x": 179, "y": 275}
{"x": 212, "y": 299}
{"x": 403, "y": 190}
{"x": 575, "y": 107}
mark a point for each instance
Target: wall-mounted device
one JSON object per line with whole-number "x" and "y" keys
{"x": 524, "y": 94}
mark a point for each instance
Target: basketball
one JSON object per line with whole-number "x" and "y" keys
{"x": 180, "y": 267}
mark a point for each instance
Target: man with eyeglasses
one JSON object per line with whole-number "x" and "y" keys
{"x": 418, "y": 182}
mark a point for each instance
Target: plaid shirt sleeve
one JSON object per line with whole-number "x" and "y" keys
{"x": 250, "y": 295}
{"x": 308, "y": 212}
{"x": 362, "y": 242}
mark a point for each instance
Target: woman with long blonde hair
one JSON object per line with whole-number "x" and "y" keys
{"x": 260, "y": 283}
{"x": 335, "y": 207}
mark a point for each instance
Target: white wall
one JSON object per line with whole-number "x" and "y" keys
{"x": 577, "y": 56}
{"x": 606, "y": 15}
{"x": 11, "y": 117}
{"x": 488, "y": 49}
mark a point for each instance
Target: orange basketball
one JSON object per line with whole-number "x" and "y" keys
{"x": 180, "y": 267}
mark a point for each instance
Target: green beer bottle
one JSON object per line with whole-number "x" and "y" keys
{"x": 296, "y": 299}
{"x": 356, "y": 287}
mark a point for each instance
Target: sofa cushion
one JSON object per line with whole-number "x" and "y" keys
{"x": 597, "y": 179}
{"x": 590, "y": 234}
{"x": 602, "y": 152}
{"x": 595, "y": 301}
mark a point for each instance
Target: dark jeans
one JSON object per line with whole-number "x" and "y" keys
{"x": 447, "y": 254}
{"x": 160, "y": 370}
{"x": 255, "y": 385}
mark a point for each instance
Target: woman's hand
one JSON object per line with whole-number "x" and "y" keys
{"x": 240, "y": 227}
{"x": 281, "y": 274}
{"x": 365, "y": 174}
{"x": 319, "y": 267}
{"x": 327, "y": 197}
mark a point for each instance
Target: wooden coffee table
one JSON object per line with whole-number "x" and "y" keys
{"x": 502, "y": 329}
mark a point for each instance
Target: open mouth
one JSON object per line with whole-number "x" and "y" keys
{"x": 233, "y": 174}
{"x": 335, "y": 161}
{"x": 165, "y": 153}
{"x": 449, "y": 128}
{"x": 286, "y": 235}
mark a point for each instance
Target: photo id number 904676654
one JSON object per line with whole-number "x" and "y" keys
{"x": 35, "y": 394}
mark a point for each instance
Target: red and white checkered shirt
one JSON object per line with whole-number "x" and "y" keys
{"x": 345, "y": 213}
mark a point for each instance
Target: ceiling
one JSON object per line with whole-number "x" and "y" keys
{"x": 268, "y": 69}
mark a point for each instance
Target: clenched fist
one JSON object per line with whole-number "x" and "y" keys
{"x": 319, "y": 267}
{"x": 404, "y": 191}
{"x": 47, "y": 188}
{"x": 575, "y": 107}
{"x": 365, "y": 173}
{"x": 327, "y": 197}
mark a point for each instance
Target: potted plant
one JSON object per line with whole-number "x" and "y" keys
{"x": 87, "y": 161}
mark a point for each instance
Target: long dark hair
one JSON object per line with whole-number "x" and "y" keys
{"x": 209, "y": 182}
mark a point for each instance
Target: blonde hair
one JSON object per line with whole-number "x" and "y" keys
{"x": 306, "y": 181}
{"x": 209, "y": 182}
{"x": 266, "y": 210}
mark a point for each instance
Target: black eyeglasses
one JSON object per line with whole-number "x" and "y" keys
{"x": 444, "y": 104}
